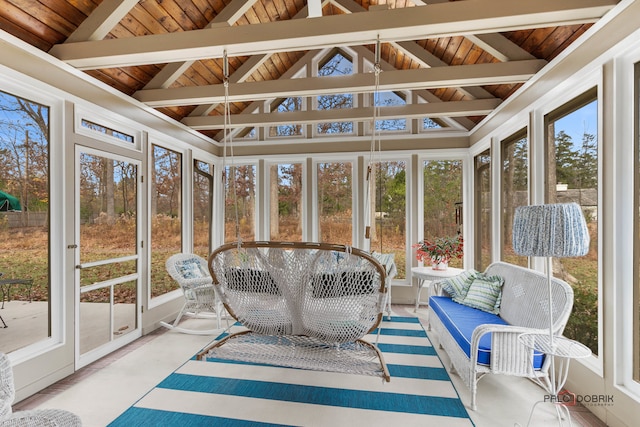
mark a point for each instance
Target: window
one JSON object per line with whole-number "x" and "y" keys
{"x": 286, "y": 202}
{"x": 24, "y": 221}
{"x": 388, "y": 99}
{"x": 337, "y": 65}
{"x": 515, "y": 191}
{"x": 428, "y": 123}
{"x": 107, "y": 131}
{"x": 240, "y": 202}
{"x": 442, "y": 200}
{"x": 284, "y": 106}
{"x": 166, "y": 216}
{"x": 334, "y": 193}
{"x": 389, "y": 221}
{"x": 482, "y": 183}
{"x": 572, "y": 176}
{"x": 202, "y": 208}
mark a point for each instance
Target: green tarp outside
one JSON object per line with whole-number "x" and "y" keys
{"x": 9, "y": 203}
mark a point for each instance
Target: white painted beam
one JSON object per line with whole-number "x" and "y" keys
{"x": 315, "y": 8}
{"x": 441, "y": 109}
{"x": 437, "y": 20}
{"x": 415, "y": 51}
{"x": 245, "y": 70}
{"x": 422, "y": 78}
{"x": 171, "y": 71}
{"x": 500, "y": 47}
{"x": 102, "y": 20}
{"x": 232, "y": 12}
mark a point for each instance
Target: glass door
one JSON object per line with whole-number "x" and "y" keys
{"x": 107, "y": 278}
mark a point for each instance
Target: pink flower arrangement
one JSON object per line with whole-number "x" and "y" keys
{"x": 442, "y": 249}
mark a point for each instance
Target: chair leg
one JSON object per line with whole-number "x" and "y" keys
{"x": 184, "y": 310}
{"x": 218, "y": 313}
{"x": 474, "y": 388}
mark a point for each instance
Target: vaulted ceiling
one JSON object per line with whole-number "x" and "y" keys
{"x": 460, "y": 59}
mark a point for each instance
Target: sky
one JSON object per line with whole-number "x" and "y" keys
{"x": 580, "y": 121}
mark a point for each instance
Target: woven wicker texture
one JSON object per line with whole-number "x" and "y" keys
{"x": 525, "y": 307}
{"x": 192, "y": 274}
{"x": 31, "y": 418}
{"x": 322, "y": 298}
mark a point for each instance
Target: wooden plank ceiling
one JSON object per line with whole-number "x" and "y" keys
{"x": 462, "y": 57}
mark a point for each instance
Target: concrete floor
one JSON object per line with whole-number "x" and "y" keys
{"x": 27, "y": 323}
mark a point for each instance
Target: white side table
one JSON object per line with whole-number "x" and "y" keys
{"x": 564, "y": 349}
{"x": 428, "y": 274}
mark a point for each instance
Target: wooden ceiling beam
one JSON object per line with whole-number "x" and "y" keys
{"x": 442, "y": 109}
{"x": 436, "y": 20}
{"x": 421, "y": 78}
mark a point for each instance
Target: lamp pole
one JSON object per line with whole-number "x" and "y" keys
{"x": 554, "y": 391}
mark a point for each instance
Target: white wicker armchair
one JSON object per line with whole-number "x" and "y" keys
{"x": 192, "y": 274}
{"x": 524, "y": 306}
{"x": 30, "y": 418}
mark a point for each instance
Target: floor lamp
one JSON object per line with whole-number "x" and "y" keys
{"x": 552, "y": 230}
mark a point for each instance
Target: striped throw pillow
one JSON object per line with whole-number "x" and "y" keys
{"x": 458, "y": 286}
{"x": 485, "y": 293}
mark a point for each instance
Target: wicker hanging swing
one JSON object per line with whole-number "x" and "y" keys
{"x": 301, "y": 305}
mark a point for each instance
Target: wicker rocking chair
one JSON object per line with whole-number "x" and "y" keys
{"x": 192, "y": 274}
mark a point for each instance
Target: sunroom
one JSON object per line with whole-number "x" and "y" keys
{"x": 134, "y": 130}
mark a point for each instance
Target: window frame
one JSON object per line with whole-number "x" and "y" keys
{"x": 504, "y": 145}
{"x": 574, "y": 101}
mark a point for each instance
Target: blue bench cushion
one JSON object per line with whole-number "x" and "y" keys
{"x": 460, "y": 320}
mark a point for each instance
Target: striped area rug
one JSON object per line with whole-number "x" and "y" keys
{"x": 224, "y": 393}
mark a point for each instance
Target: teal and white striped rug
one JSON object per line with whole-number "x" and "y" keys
{"x": 225, "y": 393}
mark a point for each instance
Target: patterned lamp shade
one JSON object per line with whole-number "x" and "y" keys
{"x": 555, "y": 230}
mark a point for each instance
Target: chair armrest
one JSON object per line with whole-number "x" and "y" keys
{"x": 435, "y": 289}
{"x": 508, "y": 354}
{"x": 190, "y": 284}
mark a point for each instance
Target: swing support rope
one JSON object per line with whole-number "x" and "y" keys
{"x": 376, "y": 148}
{"x": 304, "y": 305}
{"x": 228, "y": 146}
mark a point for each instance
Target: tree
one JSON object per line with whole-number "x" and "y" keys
{"x": 587, "y": 163}
{"x": 24, "y": 152}
{"x": 167, "y": 182}
{"x": 287, "y": 105}
{"x": 442, "y": 190}
{"x": 566, "y": 160}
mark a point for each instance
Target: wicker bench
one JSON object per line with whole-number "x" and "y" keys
{"x": 480, "y": 343}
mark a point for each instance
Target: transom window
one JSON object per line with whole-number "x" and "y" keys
{"x": 336, "y": 65}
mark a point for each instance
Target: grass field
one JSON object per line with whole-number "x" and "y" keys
{"x": 24, "y": 254}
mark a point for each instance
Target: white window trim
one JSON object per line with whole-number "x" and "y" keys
{"x": 110, "y": 120}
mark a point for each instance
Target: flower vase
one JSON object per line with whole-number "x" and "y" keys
{"x": 439, "y": 264}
